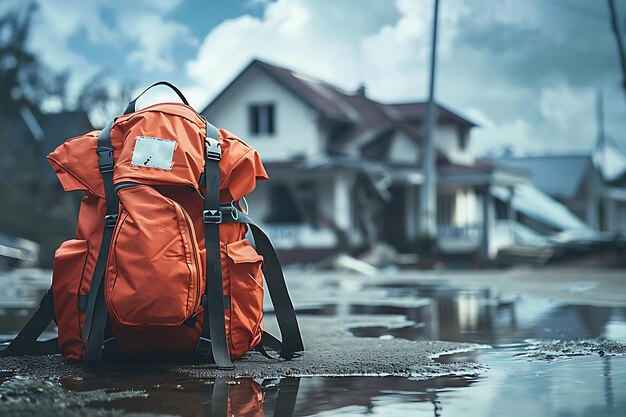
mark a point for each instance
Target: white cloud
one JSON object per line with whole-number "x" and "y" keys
{"x": 490, "y": 137}
{"x": 306, "y": 35}
{"x": 567, "y": 124}
{"x": 155, "y": 39}
{"x": 137, "y": 26}
{"x": 526, "y": 71}
{"x": 479, "y": 64}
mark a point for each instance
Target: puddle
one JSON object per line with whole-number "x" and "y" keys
{"x": 477, "y": 316}
{"x": 315, "y": 396}
{"x": 526, "y": 374}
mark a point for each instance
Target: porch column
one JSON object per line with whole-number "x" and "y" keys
{"x": 411, "y": 192}
{"x": 487, "y": 216}
{"x": 342, "y": 209}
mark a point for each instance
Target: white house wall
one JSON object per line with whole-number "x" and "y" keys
{"x": 447, "y": 138}
{"x": 403, "y": 150}
{"x": 296, "y": 132}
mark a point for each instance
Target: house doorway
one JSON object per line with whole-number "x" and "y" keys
{"x": 395, "y": 230}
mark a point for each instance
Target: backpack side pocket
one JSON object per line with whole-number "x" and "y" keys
{"x": 243, "y": 273}
{"x": 70, "y": 265}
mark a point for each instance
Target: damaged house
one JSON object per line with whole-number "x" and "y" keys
{"x": 346, "y": 170}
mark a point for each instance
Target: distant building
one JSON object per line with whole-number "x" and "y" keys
{"x": 574, "y": 181}
{"x": 40, "y": 133}
{"x": 346, "y": 169}
{"x": 17, "y": 252}
{"x": 26, "y": 139}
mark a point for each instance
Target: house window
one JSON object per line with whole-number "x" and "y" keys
{"x": 261, "y": 119}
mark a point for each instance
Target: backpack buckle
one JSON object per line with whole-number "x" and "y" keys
{"x": 213, "y": 149}
{"x": 203, "y": 349}
{"x": 212, "y": 216}
{"x": 110, "y": 220}
{"x": 105, "y": 159}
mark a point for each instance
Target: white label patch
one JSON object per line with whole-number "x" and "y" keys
{"x": 154, "y": 152}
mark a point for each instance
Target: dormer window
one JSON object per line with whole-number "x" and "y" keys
{"x": 261, "y": 120}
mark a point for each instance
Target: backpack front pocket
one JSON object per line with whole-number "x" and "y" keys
{"x": 154, "y": 270}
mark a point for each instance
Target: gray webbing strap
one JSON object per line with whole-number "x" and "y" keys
{"x": 279, "y": 294}
{"x": 212, "y": 340}
{"x": 96, "y": 316}
{"x": 25, "y": 343}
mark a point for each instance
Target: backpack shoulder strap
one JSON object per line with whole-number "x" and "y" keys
{"x": 279, "y": 294}
{"x": 213, "y": 337}
{"x": 25, "y": 343}
{"x": 96, "y": 316}
{"x": 291, "y": 344}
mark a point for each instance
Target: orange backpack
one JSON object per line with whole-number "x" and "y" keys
{"x": 164, "y": 263}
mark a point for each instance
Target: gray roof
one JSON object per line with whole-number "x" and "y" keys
{"x": 56, "y": 129}
{"x": 358, "y": 114}
{"x": 559, "y": 176}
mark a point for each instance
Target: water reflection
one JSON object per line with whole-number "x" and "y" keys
{"x": 478, "y": 316}
{"x": 584, "y": 386}
{"x": 176, "y": 394}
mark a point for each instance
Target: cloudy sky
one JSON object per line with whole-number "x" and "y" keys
{"x": 527, "y": 71}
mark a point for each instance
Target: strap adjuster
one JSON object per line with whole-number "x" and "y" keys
{"x": 212, "y": 216}
{"x": 203, "y": 349}
{"x": 110, "y": 220}
{"x": 105, "y": 159}
{"x": 213, "y": 149}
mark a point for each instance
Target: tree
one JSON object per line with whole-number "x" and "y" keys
{"x": 32, "y": 208}
{"x": 101, "y": 101}
{"x": 24, "y": 80}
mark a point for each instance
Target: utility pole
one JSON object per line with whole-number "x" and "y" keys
{"x": 620, "y": 43}
{"x": 428, "y": 191}
{"x": 601, "y": 140}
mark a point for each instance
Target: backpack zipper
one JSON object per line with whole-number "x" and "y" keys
{"x": 194, "y": 244}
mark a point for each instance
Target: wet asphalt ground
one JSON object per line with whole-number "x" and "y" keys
{"x": 348, "y": 323}
{"x": 331, "y": 350}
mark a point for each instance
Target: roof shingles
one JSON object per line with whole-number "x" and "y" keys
{"x": 559, "y": 176}
{"x": 362, "y": 115}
